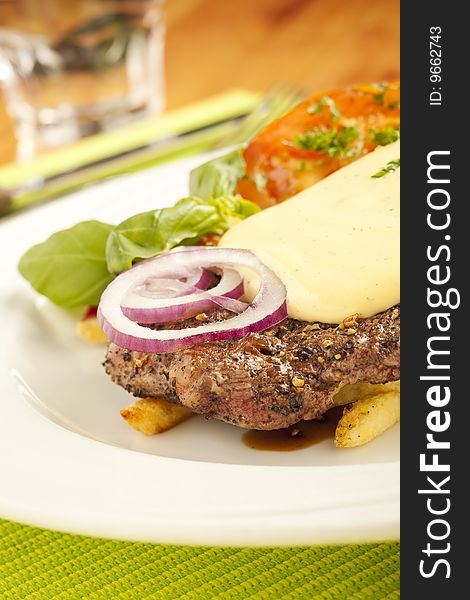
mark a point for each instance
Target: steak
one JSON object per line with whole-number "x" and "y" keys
{"x": 266, "y": 380}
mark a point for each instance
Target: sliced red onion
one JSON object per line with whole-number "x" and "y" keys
{"x": 231, "y": 304}
{"x": 267, "y": 309}
{"x": 180, "y": 306}
{"x": 157, "y": 287}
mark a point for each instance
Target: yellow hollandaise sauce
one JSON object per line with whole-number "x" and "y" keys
{"x": 335, "y": 245}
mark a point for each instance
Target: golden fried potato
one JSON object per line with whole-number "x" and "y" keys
{"x": 89, "y": 331}
{"x": 355, "y": 391}
{"x": 154, "y": 415}
{"x": 367, "y": 418}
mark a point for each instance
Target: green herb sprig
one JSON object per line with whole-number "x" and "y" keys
{"x": 379, "y": 98}
{"x": 391, "y": 166}
{"x": 325, "y": 102}
{"x": 336, "y": 143}
{"x": 385, "y": 136}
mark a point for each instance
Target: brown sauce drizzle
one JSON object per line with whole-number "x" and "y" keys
{"x": 296, "y": 437}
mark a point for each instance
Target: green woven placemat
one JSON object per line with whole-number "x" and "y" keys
{"x": 36, "y": 564}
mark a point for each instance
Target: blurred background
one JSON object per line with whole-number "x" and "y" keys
{"x": 211, "y": 46}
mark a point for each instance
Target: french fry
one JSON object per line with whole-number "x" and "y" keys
{"x": 154, "y": 415}
{"x": 89, "y": 331}
{"x": 353, "y": 392}
{"x": 367, "y": 418}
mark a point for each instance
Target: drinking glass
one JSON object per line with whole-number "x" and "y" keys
{"x": 71, "y": 68}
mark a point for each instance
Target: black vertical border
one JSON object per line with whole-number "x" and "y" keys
{"x": 428, "y": 128}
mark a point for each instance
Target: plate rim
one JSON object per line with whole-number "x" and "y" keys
{"x": 373, "y": 516}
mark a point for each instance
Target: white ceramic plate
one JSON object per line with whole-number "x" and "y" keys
{"x": 68, "y": 461}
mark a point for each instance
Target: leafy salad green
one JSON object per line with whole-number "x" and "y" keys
{"x": 70, "y": 267}
{"x": 217, "y": 177}
{"x": 149, "y": 233}
{"x": 74, "y": 266}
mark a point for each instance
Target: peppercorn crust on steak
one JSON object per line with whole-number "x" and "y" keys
{"x": 267, "y": 380}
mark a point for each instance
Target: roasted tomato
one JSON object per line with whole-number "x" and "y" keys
{"x": 319, "y": 136}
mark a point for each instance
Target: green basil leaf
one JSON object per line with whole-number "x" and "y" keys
{"x": 217, "y": 177}
{"x": 150, "y": 233}
{"x": 232, "y": 210}
{"x": 74, "y": 266}
{"x": 70, "y": 267}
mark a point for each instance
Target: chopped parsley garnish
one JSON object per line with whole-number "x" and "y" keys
{"x": 325, "y": 102}
{"x": 336, "y": 143}
{"x": 391, "y": 166}
{"x": 384, "y": 136}
{"x": 379, "y": 98}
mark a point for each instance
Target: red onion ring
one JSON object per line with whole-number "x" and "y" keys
{"x": 190, "y": 301}
{"x": 267, "y": 309}
{"x": 159, "y": 288}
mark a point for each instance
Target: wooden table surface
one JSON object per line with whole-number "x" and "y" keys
{"x": 213, "y": 45}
